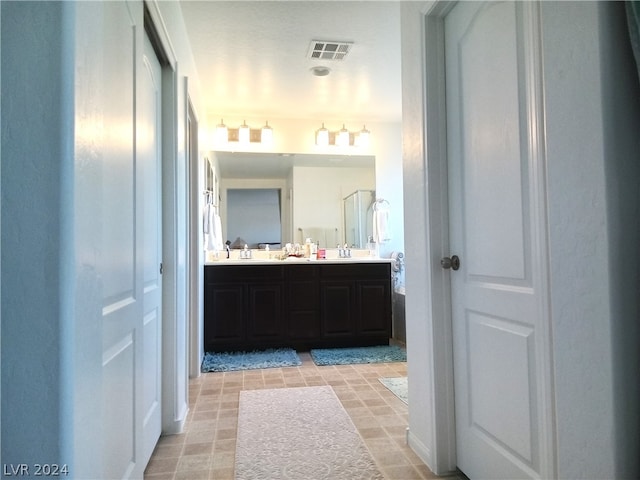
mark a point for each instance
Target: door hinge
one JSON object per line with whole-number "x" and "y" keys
{"x": 161, "y": 268}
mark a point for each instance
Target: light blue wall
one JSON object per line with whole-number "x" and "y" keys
{"x": 592, "y": 124}
{"x": 37, "y": 88}
{"x": 621, "y": 88}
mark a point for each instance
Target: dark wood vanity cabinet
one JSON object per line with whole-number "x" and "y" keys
{"x": 356, "y": 301}
{"x": 243, "y": 305}
{"x": 301, "y": 306}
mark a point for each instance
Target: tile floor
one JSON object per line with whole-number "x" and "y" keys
{"x": 206, "y": 449}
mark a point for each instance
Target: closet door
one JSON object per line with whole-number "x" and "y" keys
{"x": 120, "y": 218}
{"x": 150, "y": 161}
{"x": 131, "y": 248}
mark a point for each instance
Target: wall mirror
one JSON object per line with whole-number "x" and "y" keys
{"x": 311, "y": 191}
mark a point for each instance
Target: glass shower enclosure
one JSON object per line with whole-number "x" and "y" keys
{"x": 358, "y": 217}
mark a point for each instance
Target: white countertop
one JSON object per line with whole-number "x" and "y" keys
{"x": 262, "y": 257}
{"x": 294, "y": 260}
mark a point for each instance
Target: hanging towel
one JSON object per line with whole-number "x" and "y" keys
{"x": 209, "y": 236}
{"x": 212, "y": 229}
{"x": 206, "y": 211}
{"x": 217, "y": 232}
{"x": 381, "y": 227}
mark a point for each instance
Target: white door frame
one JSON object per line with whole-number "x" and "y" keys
{"x": 174, "y": 395}
{"x": 195, "y": 257}
{"x": 443, "y": 452}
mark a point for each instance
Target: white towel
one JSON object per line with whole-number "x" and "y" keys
{"x": 217, "y": 232}
{"x": 212, "y": 227}
{"x": 205, "y": 218}
{"x": 381, "y": 230}
{"x": 209, "y": 232}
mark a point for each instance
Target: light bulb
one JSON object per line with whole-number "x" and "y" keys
{"x": 266, "y": 135}
{"x": 342, "y": 140}
{"x": 222, "y": 133}
{"x": 322, "y": 137}
{"x": 244, "y": 133}
{"x": 363, "y": 137}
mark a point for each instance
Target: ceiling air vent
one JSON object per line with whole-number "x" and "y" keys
{"x": 329, "y": 50}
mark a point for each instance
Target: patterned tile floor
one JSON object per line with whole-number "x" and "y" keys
{"x": 206, "y": 449}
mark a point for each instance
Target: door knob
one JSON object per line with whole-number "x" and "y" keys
{"x": 451, "y": 262}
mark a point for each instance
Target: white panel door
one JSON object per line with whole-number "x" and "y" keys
{"x": 498, "y": 292}
{"x": 149, "y": 158}
{"x": 119, "y": 260}
{"x": 130, "y": 250}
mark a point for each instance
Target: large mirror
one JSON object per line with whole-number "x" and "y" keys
{"x": 308, "y": 191}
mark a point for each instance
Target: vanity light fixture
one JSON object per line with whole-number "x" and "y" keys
{"x": 244, "y": 134}
{"x": 342, "y": 138}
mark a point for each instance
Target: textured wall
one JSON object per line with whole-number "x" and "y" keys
{"x": 592, "y": 192}
{"x": 36, "y": 131}
{"x": 418, "y": 318}
{"x": 593, "y": 218}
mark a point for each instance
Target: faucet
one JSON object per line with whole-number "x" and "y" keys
{"x": 227, "y": 244}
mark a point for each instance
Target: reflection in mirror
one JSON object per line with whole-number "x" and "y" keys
{"x": 313, "y": 188}
{"x": 358, "y": 218}
{"x": 253, "y": 217}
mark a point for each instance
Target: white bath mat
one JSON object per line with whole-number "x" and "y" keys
{"x": 299, "y": 433}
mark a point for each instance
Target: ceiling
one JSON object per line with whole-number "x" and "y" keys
{"x": 252, "y": 59}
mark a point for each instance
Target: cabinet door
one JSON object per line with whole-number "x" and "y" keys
{"x": 374, "y": 300}
{"x": 223, "y": 311}
{"x": 264, "y": 314}
{"x": 304, "y": 310}
{"x": 338, "y": 309}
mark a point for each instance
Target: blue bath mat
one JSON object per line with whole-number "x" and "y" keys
{"x": 346, "y": 356}
{"x": 272, "y": 358}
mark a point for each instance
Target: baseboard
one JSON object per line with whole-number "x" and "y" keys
{"x": 420, "y": 449}
{"x": 176, "y": 425}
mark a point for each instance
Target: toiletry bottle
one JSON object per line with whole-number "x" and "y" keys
{"x": 307, "y": 248}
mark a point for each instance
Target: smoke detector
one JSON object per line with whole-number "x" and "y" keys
{"x": 320, "y": 71}
{"x": 329, "y": 50}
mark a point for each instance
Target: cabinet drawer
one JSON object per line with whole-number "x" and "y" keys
{"x": 356, "y": 271}
{"x": 302, "y": 272}
{"x": 242, "y": 273}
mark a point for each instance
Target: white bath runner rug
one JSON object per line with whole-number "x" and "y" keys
{"x": 299, "y": 433}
